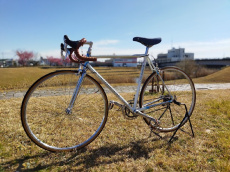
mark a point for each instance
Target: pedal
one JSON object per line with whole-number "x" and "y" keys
{"x": 111, "y": 104}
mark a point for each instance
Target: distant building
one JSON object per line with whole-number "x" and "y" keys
{"x": 174, "y": 55}
{"x": 44, "y": 61}
{"x": 116, "y": 62}
{"x": 7, "y": 63}
{"x": 106, "y": 63}
{"x": 125, "y": 62}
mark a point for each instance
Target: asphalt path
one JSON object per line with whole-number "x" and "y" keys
{"x": 120, "y": 89}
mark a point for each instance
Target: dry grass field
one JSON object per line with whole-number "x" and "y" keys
{"x": 222, "y": 76}
{"x": 22, "y": 78}
{"x": 126, "y": 145}
{"x": 123, "y": 145}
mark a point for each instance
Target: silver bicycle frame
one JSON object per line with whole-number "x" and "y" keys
{"x": 133, "y": 109}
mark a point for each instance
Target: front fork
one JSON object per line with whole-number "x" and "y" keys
{"x": 76, "y": 91}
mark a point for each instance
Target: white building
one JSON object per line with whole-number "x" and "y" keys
{"x": 125, "y": 62}
{"x": 175, "y": 55}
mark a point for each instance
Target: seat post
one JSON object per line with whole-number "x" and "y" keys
{"x": 147, "y": 50}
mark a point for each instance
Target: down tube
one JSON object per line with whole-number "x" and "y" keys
{"x": 110, "y": 87}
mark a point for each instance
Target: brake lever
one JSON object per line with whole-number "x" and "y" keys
{"x": 64, "y": 49}
{"x": 67, "y": 54}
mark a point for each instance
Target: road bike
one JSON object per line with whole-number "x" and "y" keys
{"x": 67, "y": 109}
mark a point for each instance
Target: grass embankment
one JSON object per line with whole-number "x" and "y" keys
{"x": 222, "y": 76}
{"x": 22, "y": 78}
{"x": 125, "y": 145}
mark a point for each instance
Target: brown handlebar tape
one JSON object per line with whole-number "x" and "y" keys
{"x": 75, "y": 60}
{"x": 80, "y": 57}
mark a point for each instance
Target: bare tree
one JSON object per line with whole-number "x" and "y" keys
{"x": 189, "y": 66}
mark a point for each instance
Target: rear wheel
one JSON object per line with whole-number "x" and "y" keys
{"x": 50, "y": 124}
{"x": 180, "y": 86}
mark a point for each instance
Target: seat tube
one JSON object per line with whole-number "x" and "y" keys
{"x": 140, "y": 78}
{"x": 147, "y": 51}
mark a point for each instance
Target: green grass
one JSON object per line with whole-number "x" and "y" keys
{"x": 125, "y": 145}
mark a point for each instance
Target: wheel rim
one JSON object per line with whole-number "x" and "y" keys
{"x": 44, "y": 112}
{"x": 180, "y": 86}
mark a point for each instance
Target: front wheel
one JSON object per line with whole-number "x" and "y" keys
{"x": 46, "y": 116}
{"x": 177, "y": 84}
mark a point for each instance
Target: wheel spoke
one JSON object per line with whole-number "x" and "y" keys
{"x": 44, "y": 114}
{"x": 180, "y": 86}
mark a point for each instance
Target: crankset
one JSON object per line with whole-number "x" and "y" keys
{"x": 125, "y": 111}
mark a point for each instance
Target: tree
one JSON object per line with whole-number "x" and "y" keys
{"x": 189, "y": 66}
{"x": 24, "y": 57}
{"x": 54, "y": 61}
{"x": 67, "y": 62}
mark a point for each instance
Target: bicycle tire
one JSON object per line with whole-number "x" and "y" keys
{"x": 46, "y": 121}
{"x": 181, "y": 86}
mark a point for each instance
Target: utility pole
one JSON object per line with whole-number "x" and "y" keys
{"x": 171, "y": 43}
{"x": 2, "y": 64}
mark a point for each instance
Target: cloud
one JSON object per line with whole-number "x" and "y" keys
{"x": 205, "y": 49}
{"x": 208, "y": 49}
{"x": 105, "y": 42}
{"x": 55, "y": 53}
{"x": 117, "y": 51}
{"x": 201, "y": 49}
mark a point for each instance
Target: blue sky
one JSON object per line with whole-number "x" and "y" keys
{"x": 199, "y": 26}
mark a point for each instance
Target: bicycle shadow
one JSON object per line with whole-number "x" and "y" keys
{"x": 86, "y": 158}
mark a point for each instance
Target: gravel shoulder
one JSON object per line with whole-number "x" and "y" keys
{"x": 121, "y": 89}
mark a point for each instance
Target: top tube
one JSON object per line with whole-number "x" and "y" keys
{"x": 121, "y": 56}
{"x": 90, "y": 43}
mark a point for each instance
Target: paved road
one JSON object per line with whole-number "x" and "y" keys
{"x": 15, "y": 94}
